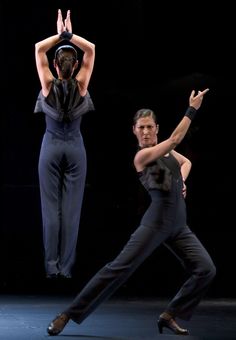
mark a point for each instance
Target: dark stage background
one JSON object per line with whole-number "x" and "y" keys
{"x": 148, "y": 54}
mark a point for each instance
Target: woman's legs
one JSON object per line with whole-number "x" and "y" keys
{"x": 202, "y": 270}
{"x": 107, "y": 280}
{"x": 72, "y": 199}
{"x": 50, "y": 192}
{"x": 62, "y": 172}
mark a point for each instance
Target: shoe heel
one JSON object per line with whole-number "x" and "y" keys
{"x": 172, "y": 325}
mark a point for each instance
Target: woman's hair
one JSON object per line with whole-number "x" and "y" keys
{"x": 142, "y": 113}
{"x": 65, "y": 58}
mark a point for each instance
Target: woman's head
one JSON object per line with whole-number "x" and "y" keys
{"x": 66, "y": 60}
{"x": 145, "y": 127}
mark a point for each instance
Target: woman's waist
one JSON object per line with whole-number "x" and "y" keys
{"x": 174, "y": 195}
{"x": 64, "y": 134}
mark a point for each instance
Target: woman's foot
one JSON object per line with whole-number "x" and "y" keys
{"x": 166, "y": 320}
{"x": 58, "y": 324}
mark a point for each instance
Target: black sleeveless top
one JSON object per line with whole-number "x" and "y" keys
{"x": 64, "y": 102}
{"x": 159, "y": 174}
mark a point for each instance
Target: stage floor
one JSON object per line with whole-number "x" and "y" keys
{"x": 25, "y": 317}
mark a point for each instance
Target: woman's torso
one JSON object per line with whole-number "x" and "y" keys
{"x": 163, "y": 181}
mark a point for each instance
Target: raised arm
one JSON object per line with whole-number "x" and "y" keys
{"x": 41, "y": 49}
{"x": 42, "y": 64}
{"x": 147, "y": 155}
{"x": 87, "y": 64}
{"x": 64, "y": 32}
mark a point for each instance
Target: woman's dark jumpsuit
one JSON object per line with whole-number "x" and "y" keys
{"x": 163, "y": 222}
{"x": 62, "y": 173}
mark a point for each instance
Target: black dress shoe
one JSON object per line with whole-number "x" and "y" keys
{"x": 58, "y": 324}
{"x": 172, "y": 325}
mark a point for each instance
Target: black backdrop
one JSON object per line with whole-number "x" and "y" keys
{"x": 147, "y": 55}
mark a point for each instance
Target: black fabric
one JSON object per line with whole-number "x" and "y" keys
{"x": 66, "y": 35}
{"x": 64, "y": 101}
{"x": 158, "y": 174}
{"x": 190, "y": 112}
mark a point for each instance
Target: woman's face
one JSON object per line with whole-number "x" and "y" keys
{"x": 146, "y": 131}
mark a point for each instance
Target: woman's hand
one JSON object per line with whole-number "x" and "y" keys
{"x": 63, "y": 25}
{"x": 184, "y": 190}
{"x": 68, "y": 25}
{"x": 196, "y": 100}
{"x": 60, "y": 24}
